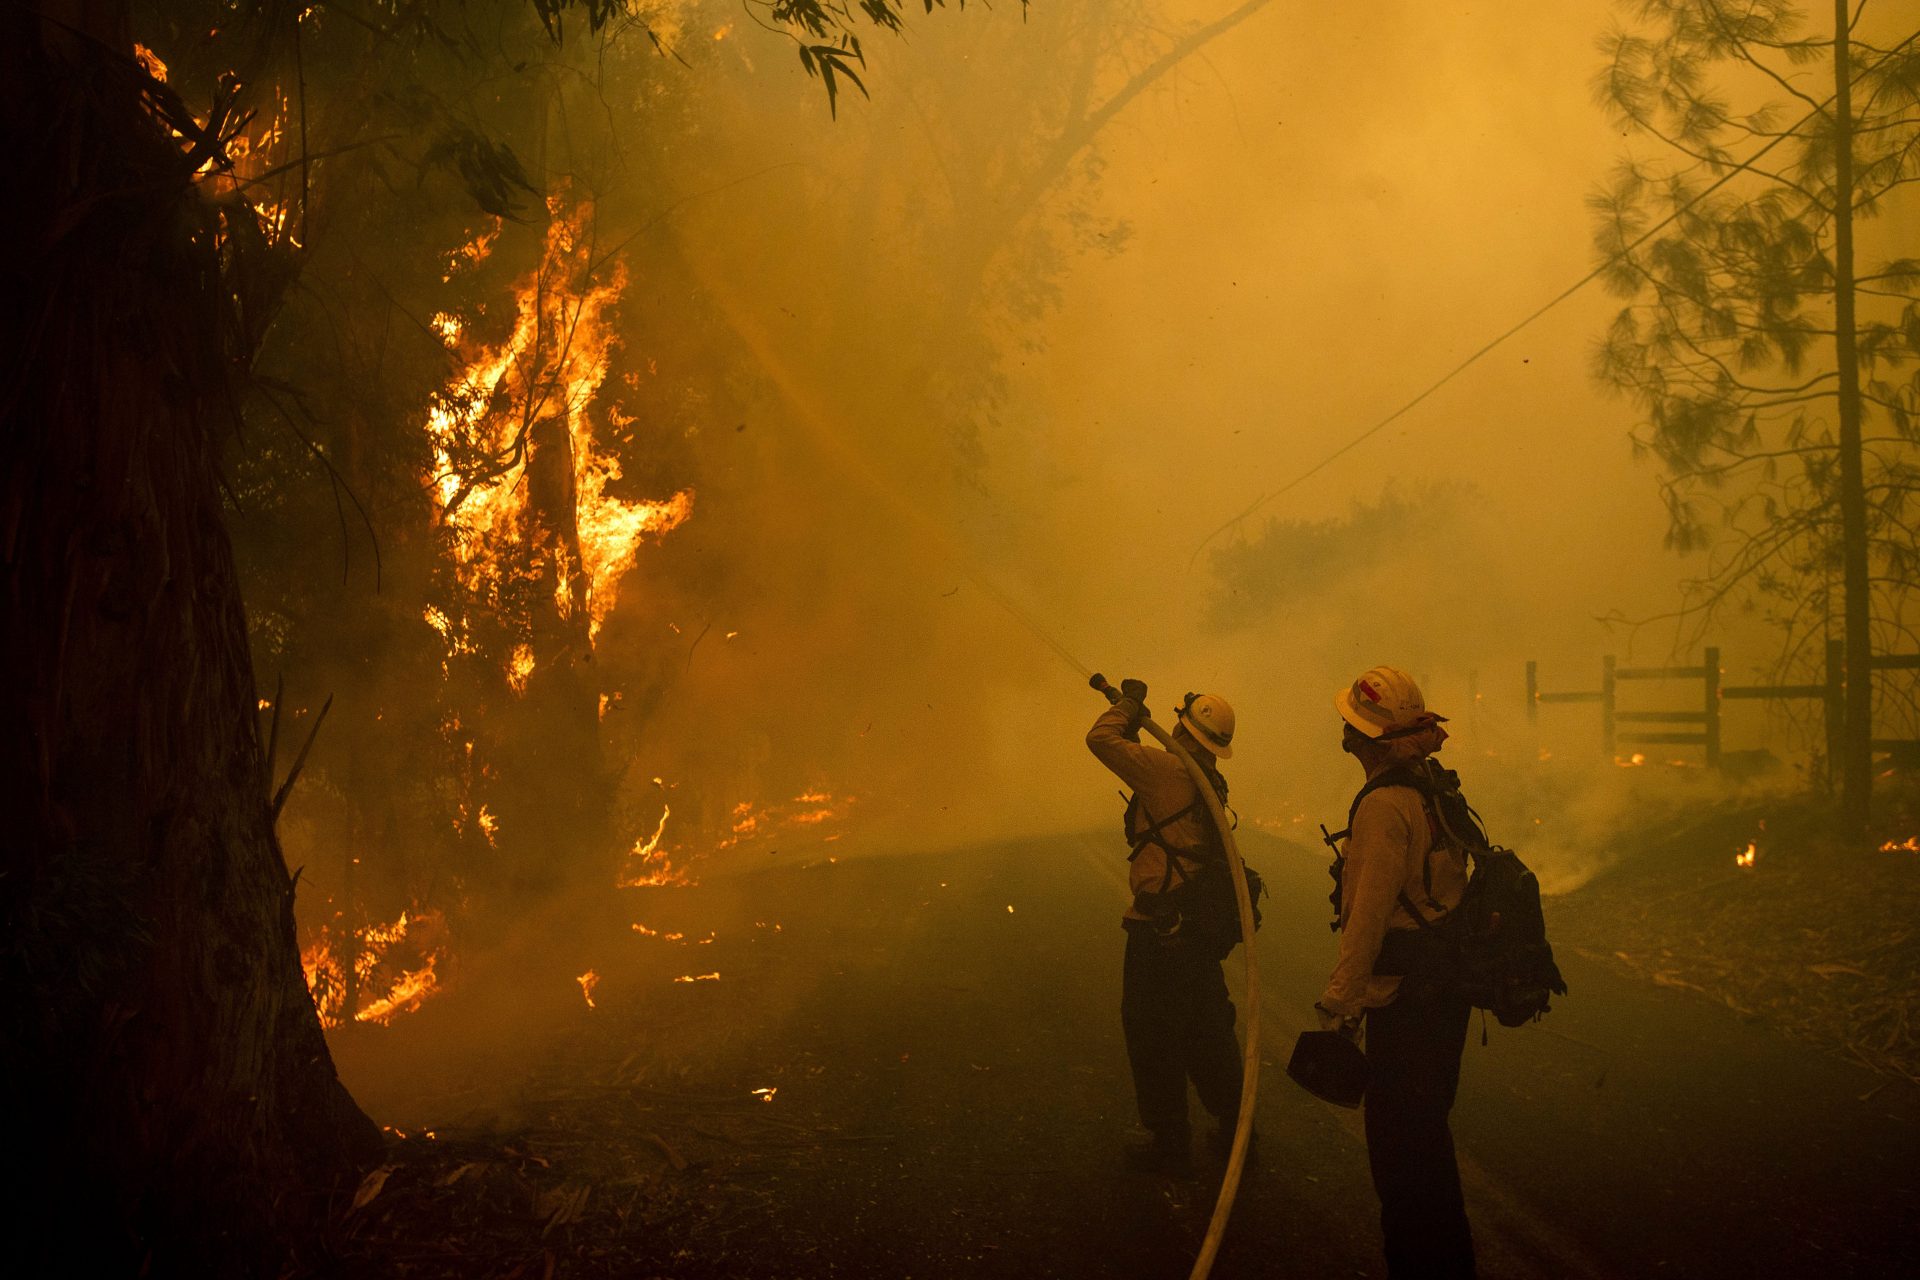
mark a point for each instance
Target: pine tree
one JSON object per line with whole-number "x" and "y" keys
{"x": 1778, "y": 380}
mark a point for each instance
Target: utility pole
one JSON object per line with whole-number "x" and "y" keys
{"x": 1856, "y": 752}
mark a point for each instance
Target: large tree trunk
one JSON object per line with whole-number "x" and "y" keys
{"x": 1856, "y": 752}
{"x": 175, "y": 1106}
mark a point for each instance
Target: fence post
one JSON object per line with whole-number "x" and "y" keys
{"x": 1836, "y": 704}
{"x": 1533, "y": 694}
{"x": 1606, "y": 707}
{"x": 1712, "y": 707}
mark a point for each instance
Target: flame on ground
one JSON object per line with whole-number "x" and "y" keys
{"x": 1745, "y": 857}
{"x": 751, "y": 822}
{"x": 377, "y": 959}
{"x": 588, "y": 981}
{"x": 654, "y": 867}
{"x": 1910, "y": 845}
{"x": 651, "y": 862}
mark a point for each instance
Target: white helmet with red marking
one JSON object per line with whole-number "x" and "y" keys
{"x": 1384, "y": 701}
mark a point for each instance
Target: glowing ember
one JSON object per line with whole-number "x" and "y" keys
{"x": 766, "y": 1095}
{"x": 1745, "y": 857}
{"x": 1910, "y": 845}
{"x": 1633, "y": 761}
{"x": 698, "y": 977}
{"x": 588, "y": 981}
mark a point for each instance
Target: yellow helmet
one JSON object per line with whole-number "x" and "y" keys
{"x": 1210, "y": 720}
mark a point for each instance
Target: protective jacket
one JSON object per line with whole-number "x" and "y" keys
{"x": 1170, "y": 813}
{"x": 1393, "y": 859}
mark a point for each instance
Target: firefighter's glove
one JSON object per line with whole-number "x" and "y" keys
{"x": 1133, "y": 701}
{"x": 1331, "y": 1021}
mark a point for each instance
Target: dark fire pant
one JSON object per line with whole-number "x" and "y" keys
{"x": 1178, "y": 1022}
{"x": 1413, "y": 1071}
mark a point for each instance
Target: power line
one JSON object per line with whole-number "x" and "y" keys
{"x": 1555, "y": 301}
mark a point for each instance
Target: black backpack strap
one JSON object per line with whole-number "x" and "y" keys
{"x": 1426, "y": 860}
{"x": 1413, "y": 776}
{"x": 1151, "y": 833}
{"x": 1400, "y": 776}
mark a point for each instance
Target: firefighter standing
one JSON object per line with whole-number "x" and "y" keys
{"x": 1174, "y": 1009}
{"x": 1398, "y": 885}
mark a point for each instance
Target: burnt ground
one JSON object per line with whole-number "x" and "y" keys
{"x": 952, "y": 1094}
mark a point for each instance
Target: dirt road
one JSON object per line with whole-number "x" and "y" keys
{"x": 950, "y": 1094}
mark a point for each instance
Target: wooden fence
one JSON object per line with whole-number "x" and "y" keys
{"x": 1700, "y": 726}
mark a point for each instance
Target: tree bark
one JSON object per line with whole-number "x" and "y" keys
{"x": 177, "y": 1108}
{"x": 1856, "y": 762}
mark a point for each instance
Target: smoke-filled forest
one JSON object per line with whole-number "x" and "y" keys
{"x": 562, "y": 556}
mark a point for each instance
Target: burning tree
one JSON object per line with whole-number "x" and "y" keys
{"x": 448, "y": 376}
{"x": 1776, "y": 373}
{"x": 156, "y": 1024}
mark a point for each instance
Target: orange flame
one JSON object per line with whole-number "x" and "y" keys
{"x": 370, "y": 952}
{"x": 150, "y": 62}
{"x": 550, "y": 367}
{"x": 1910, "y": 845}
{"x": 588, "y": 981}
{"x": 655, "y": 867}
{"x": 1746, "y": 856}
{"x": 520, "y": 667}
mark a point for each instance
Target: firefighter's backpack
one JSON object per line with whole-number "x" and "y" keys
{"x": 1493, "y": 947}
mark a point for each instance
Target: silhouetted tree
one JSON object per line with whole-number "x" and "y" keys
{"x": 176, "y": 1110}
{"x": 1289, "y": 562}
{"x": 1776, "y": 376}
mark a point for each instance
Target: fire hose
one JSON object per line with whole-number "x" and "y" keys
{"x": 816, "y": 416}
{"x": 1250, "y": 1059}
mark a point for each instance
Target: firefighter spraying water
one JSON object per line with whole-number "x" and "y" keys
{"x": 1194, "y": 901}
